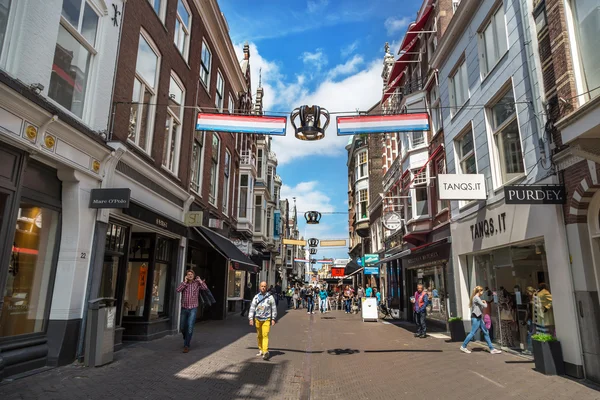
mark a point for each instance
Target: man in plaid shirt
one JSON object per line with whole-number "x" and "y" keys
{"x": 189, "y": 290}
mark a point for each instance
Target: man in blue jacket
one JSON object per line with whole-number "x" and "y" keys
{"x": 420, "y": 300}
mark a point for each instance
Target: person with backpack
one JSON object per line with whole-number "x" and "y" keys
{"x": 310, "y": 300}
{"x": 262, "y": 315}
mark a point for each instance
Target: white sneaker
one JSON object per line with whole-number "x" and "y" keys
{"x": 495, "y": 351}
{"x": 259, "y": 354}
{"x": 308, "y": 312}
{"x": 465, "y": 350}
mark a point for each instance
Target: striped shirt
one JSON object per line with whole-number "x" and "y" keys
{"x": 189, "y": 293}
{"x": 263, "y": 310}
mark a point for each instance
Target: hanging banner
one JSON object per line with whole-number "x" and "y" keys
{"x": 277, "y": 223}
{"x": 333, "y": 243}
{"x": 365, "y": 124}
{"x": 294, "y": 242}
{"x": 241, "y": 124}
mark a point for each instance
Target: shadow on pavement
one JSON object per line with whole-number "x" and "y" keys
{"x": 282, "y": 351}
{"x": 339, "y": 352}
{"x": 404, "y": 351}
{"x": 520, "y": 362}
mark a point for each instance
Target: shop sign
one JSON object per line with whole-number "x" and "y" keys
{"x": 277, "y": 223}
{"x": 242, "y": 245}
{"x": 215, "y": 223}
{"x": 489, "y": 227}
{"x": 392, "y": 221}
{"x": 437, "y": 255}
{"x": 335, "y": 272}
{"x": 461, "y": 187}
{"x": 194, "y": 218}
{"x": 371, "y": 259}
{"x": 110, "y": 198}
{"x": 150, "y": 217}
{"x": 541, "y": 194}
{"x": 371, "y": 271}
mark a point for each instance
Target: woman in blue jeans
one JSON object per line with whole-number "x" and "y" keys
{"x": 477, "y": 305}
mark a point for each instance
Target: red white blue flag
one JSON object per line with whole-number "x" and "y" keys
{"x": 357, "y": 125}
{"x": 241, "y": 124}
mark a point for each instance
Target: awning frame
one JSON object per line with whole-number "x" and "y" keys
{"x": 255, "y": 267}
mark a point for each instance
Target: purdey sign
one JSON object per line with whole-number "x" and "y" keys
{"x": 544, "y": 194}
{"x": 110, "y": 198}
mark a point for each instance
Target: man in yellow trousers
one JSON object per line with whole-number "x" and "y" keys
{"x": 263, "y": 311}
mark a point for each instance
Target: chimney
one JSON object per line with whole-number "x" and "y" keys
{"x": 246, "y": 51}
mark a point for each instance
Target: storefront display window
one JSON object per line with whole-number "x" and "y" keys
{"x": 28, "y": 280}
{"x": 515, "y": 280}
{"x": 432, "y": 279}
{"x": 135, "y": 289}
{"x": 161, "y": 272}
{"x": 234, "y": 286}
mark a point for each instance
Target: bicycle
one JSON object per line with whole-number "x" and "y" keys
{"x": 385, "y": 312}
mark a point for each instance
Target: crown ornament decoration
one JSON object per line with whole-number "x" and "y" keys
{"x": 311, "y": 127}
{"x": 313, "y": 242}
{"x": 312, "y": 251}
{"x": 312, "y": 217}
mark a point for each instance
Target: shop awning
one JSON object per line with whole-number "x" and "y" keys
{"x": 227, "y": 249}
{"x": 394, "y": 257}
{"x": 351, "y": 267}
{"x": 353, "y": 273}
{"x": 416, "y": 28}
{"x": 416, "y": 238}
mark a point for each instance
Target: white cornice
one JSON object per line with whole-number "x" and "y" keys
{"x": 214, "y": 24}
{"x": 458, "y": 24}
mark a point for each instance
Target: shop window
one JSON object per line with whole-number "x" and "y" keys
{"x": 205, "y": 64}
{"x": 159, "y": 285}
{"x": 75, "y": 47}
{"x": 143, "y": 109}
{"x": 172, "y": 139}
{"x": 197, "y": 161}
{"x": 586, "y": 14}
{"x": 114, "y": 249}
{"x": 28, "y": 282}
{"x": 135, "y": 289}
{"x": 507, "y": 139}
{"x": 4, "y": 12}
{"x": 234, "y": 283}
{"x": 183, "y": 26}
{"x": 492, "y": 41}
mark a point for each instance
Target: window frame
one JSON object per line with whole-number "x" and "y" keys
{"x": 178, "y": 134}
{"x": 442, "y": 205}
{"x": 500, "y": 41}
{"x": 162, "y": 11}
{"x": 460, "y": 158}
{"x": 434, "y": 103}
{"x": 359, "y": 164}
{"x": 360, "y": 201}
{"x": 5, "y": 44}
{"x": 219, "y": 96}
{"x": 150, "y": 124}
{"x": 204, "y": 68}
{"x": 200, "y": 163}
{"x": 247, "y": 187}
{"x": 215, "y": 162}
{"x": 258, "y": 211}
{"x": 420, "y": 181}
{"x": 457, "y": 71}
{"x": 226, "y": 182}
{"x": 231, "y": 106}
{"x": 187, "y": 30}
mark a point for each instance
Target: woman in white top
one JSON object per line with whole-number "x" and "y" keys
{"x": 477, "y": 305}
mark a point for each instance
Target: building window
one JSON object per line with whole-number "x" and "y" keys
{"x": 268, "y": 221}
{"x": 455, "y": 4}
{"x": 205, "y": 63}
{"x": 73, "y": 55}
{"x": 29, "y": 271}
{"x": 214, "y": 170}
{"x": 492, "y": 42}
{"x": 459, "y": 87}
{"x": 435, "y": 109}
{"x": 259, "y": 170}
{"x": 258, "y": 214}
{"x": 197, "y": 161}
{"x": 141, "y": 119}
{"x": 243, "y": 203}
{"x": 362, "y": 204}
{"x": 361, "y": 169}
{"x": 270, "y": 179}
{"x": 4, "y": 12}
{"x": 465, "y": 153}
{"x": 172, "y": 139}
{"x": 586, "y": 15}
{"x": 420, "y": 192}
{"x": 159, "y": 8}
{"x": 226, "y": 173}
{"x": 507, "y": 139}
{"x": 441, "y": 169}
{"x": 417, "y": 138}
{"x": 234, "y": 283}
{"x": 231, "y": 106}
{"x": 219, "y": 92}
{"x": 183, "y": 26}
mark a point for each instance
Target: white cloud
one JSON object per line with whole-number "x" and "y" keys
{"x": 349, "y": 67}
{"x": 394, "y": 24}
{"x": 316, "y": 60}
{"x": 315, "y": 5}
{"x": 347, "y": 50}
{"x": 309, "y": 196}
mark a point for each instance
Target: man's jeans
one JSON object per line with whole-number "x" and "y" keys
{"x": 323, "y": 305}
{"x": 310, "y": 304}
{"x": 476, "y": 324}
{"x": 420, "y": 321}
{"x": 348, "y": 305}
{"x": 188, "y": 319}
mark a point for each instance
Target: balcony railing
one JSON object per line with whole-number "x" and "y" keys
{"x": 247, "y": 158}
{"x": 412, "y": 86}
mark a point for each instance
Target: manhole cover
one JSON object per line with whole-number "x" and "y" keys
{"x": 327, "y": 317}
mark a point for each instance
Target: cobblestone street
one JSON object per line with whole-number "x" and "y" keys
{"x": 313, "y": 357}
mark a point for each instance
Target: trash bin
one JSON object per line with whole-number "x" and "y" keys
{"x": 100, "y": 332}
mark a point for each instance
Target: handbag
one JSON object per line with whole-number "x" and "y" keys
{"x": 506, "y": 315}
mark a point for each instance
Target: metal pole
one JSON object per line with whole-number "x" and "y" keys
{"x": 362, "y": 256}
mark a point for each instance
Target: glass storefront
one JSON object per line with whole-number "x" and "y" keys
{"x": 26, "y": 297}
{"x": 234, "y": 284}
{"x": 515, "y": 280}
{"x": 432, "y": 279}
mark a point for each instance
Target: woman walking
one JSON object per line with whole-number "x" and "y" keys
{"x": 477, "y": 305}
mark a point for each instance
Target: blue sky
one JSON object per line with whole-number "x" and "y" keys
{"x": 325, "y": 52}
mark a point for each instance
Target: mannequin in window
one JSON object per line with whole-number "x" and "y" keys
{"x": 507, "y": 319}
{"x": 543, "y": 311}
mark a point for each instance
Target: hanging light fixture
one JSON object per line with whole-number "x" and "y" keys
{"x": 313, "y": 242}
{"x": 312, "y": 217}
{"x": 312, "y": 250}
{"x": 310, "y": 127}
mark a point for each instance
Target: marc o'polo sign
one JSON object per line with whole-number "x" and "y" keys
{"x": 461, "y": 187}
{"x": 110, "y": 198}
{"x": 544, "y": 194}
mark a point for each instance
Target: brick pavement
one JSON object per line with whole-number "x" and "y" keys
{"x": 312, "y": 357}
